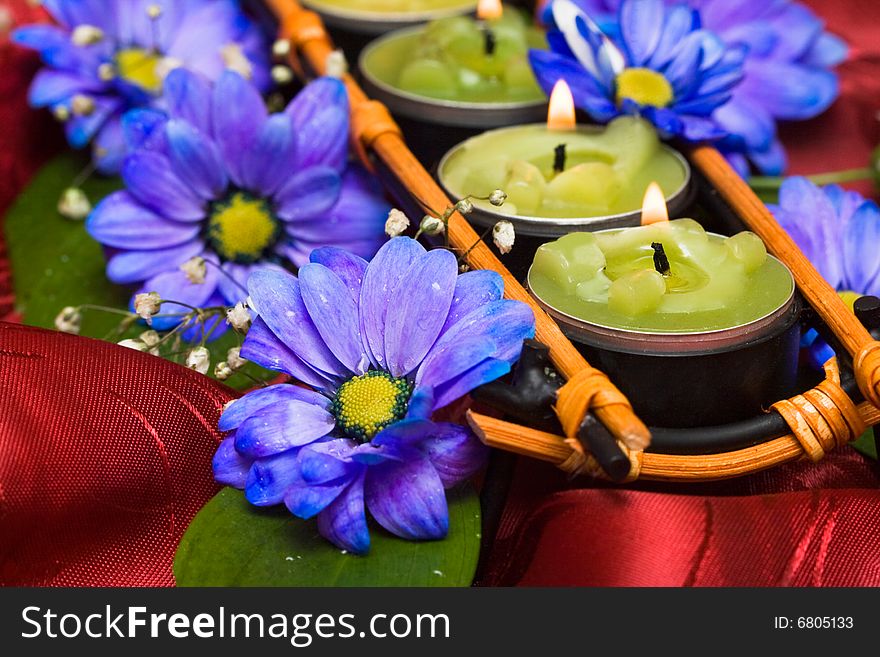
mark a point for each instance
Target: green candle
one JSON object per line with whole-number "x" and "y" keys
{"x": 393, "y": 6}
{"x": 618, "y": 278}
{"x": 460, "y": 59}
{"x": 605, "y": 170}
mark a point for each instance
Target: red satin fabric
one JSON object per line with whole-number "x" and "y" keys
{"x": 105, "y": 457}
{"x": 105, "y": 452}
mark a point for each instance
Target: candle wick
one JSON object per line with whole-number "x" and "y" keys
{"x": 559, "y": 158}
{"x": 489, "y": 42}
{"x": 661, "y": 262}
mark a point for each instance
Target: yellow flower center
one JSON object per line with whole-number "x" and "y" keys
{"x": 241, "y": 228}
{"x": 366, "y": 404}
{"x": 140, "y": 67}
{"x": 644, "y": 86}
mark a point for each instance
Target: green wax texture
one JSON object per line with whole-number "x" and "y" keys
{"x": 393, "y": 6}
{"x": 609, "y": 278}
{"x": 607, "y": 170}
{"x": 448, "y": 60}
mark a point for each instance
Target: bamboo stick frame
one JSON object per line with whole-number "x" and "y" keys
{"x": 374, "y": 130}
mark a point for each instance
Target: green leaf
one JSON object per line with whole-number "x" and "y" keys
{"x": 865, "y": 444}
{"x": 232, "y": 543}
{"x": 55, "y": 263}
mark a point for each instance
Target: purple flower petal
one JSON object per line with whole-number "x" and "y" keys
{"x": 307, "y": 500}
{"x": 800, "y": 198}
{"x": 308, "y": 194}
{"x": 472, "y": 290}
{"x": 344, "y": 521}
{"x": 279, "y": 302}
{"x": 679, "y": 21}
{"x": 861, "y": 255}
{"x": 108, "y": 147}
{"x": 284, "y": 425}
{"x": 144, "y": 128}
{"x": 456, "y": 388}
{"x": 134, "y": 266}
{"x": 772, "y": 161}
{"x": 188, "y": 97}
{"x": 315, "y": 98}
{"x": 195, "y": 160}
{"x": 420, "y": 307}
{"x": 321, "y": 119}
{"x": 447, "y": 363}
{"x": 698, "y": 128}
{"x": 230, "y": 467}
{"x": 280, "y": 394}
{"x": 549, "y": 68}
{"x": 827, "y": 51}
{"x": 790, "y": 91}
{"x": 239, "y": 114}
{"x": 747, "y": 120}
{"x": 52, "y": 86}
{"x": 334, "y": 313}
{"x": 263, "y": 347}
{"x": 120, "y": 221}
{"x": 150, "y": 179}
{"x": 328, "y": 461}
{"x": 383, "y": 275}
{"x": 407, "y": 498}
{"x": 349, "y": 267}
{"x": 641, "y": 24}
{"x": 270, "y": 160}
{"x": 270, "y": 477}
{"x": 455, "y": 453}
{"x": 81, "y": 129}
{"x": 421, "y": 403}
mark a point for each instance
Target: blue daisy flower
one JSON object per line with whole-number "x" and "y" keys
{"x": 663, "y": 66}
{"x": 839, "y": 231}
{"x": 787, "y": 71}
{"x": 382, "y": 345}
{"x": 106, "y": 56}
{"x": 218, "y": 177}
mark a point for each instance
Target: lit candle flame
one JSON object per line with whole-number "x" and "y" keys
{"x": 654, "y": 205}
{"x": 489, "y": 10}
{"x": 560, "y": 115}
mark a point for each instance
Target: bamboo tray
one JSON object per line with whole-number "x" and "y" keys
{"x": 818, "y": 420}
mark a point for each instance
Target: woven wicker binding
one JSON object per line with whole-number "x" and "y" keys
{"x": 820, "y": 419}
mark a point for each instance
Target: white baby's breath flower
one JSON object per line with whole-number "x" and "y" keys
{"x": 137, "y": 345}
{"x": 396, "y": 223}
{"x": 498, "y": 197}
{"x": 199, "y": 359}
{"x": 234, "y": 359}
{"x": 82, "y": 105}
{"x": 107, "y": 71}
{"x": 336, "y": 64}
{"x": 281, "y": 48}
{"x": 504, "y": 236}
{"x": 431, "y": 225}
{"x": 235, "y": 60}
{"x": 147, "y": 304}
{"x": 222, "y": 371}
{"x": 195, "y": 270}
{"x": 69, "y": 320}
{"x": 61, "y": 112}
{"x": 74, "y": 204}
{"x": 151, "y": 339}
{"x": 239, "y": 317}
{"x": 165, "y": 65}
{"x": 281, "y": 74}
{"x": 86, "y": 35}
{"x": 464, "y": 206}
{"x": 154, "y": 11}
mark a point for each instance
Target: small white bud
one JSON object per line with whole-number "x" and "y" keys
{"x": 431, "y": 225}
{"x": 154, "y": 11}
{"x": 69, "y": 320}
{"x": 86, "y": 35}
{"x": 147, "y": 304}
{"x": 235, "y": 60}
{"x": 137, "y": 345}
{"x": 464, "y": 206}
{"x": 195, "y": 270}
{"x": 250, "y": 304}
{"x": 199, "y": 359}
{"x": 222, "y": 371}
{"x": 396, "y": 223}
{"x": 234, "y": 359}
{"x": 498, "y": 197}
{"x": 281, "y": 48}
{"x": 82, "y": 105}
{"x": 239, "y": 318}
{"x": 504, "y": 236}
{"x": 165, "y": 65}
{"x": 106, "y": 72}
{"x": 281, "y": 74}
{"x": 336, "y": 65}
{"x": 150, "y": 339}
{"x": 74, "y": 204}
{"x": 61, "y": 113}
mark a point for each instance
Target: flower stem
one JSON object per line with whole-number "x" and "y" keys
{"x": 771, "y": 183}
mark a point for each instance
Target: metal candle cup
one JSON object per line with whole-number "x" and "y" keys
{"x": 694, "y": 378}
{"x": 358, "y": 20}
